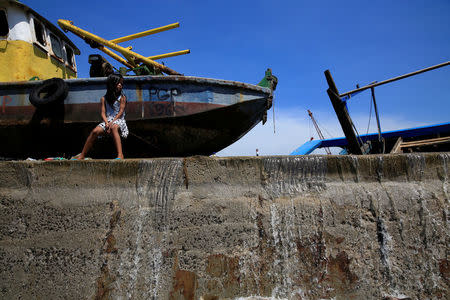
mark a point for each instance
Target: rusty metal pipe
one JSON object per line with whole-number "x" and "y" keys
{"x": 396, "y": 78}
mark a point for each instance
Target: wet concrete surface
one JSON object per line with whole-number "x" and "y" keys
{"x": 294, "y": 227}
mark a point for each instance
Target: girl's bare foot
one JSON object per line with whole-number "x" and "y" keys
{"x": 77, "y": 157}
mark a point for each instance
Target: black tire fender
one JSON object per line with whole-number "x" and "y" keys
{"x": 53, "y": 91}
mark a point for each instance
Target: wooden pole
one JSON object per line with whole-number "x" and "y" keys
{"x": 397, "y": 147}
{"x": 343, "y": 116}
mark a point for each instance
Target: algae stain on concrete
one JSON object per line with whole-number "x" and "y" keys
{"x": 106, "y": 280}
{"x": 227, "y": 228}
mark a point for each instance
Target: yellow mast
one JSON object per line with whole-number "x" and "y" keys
{"x": 132, "y": 57}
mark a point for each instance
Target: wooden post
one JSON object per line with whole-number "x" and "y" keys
{"x": 344, "y": 118}
{"x": 398, "y": 146}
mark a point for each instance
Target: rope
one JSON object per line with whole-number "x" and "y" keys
{"x": 370, "y": 116}
{"x": 329, "y": 134}
{"x": 273, "y": 115}
{"x": 357, "y": 134}
{"x": 380, "y": 138}
{"x": 309, "y": 129}
{"x": 354, "y": 127}
{"x": 144, "y": 141}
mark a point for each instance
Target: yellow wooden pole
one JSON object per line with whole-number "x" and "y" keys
{"x": 68, "y": 25}
{"x": 145, "y": 33}
{"x": 155, "y": 57}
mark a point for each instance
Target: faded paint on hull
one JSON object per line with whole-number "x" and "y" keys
{"x": 166, "y": 116}
{"x": 148, "y": 97}
{"x": 200, "y": 134}
{"x": 90, "y": 112}
{"x": 20, "y": 61}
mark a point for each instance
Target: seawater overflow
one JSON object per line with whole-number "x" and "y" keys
{"x": 305, "y": 227}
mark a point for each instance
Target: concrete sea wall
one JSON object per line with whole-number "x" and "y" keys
{"x": 311, "y": 227}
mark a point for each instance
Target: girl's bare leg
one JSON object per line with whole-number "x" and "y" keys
{"x": 90, "y": 141}
{"x": 117, "y": 141}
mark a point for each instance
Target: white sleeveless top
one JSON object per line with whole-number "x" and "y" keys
{"x": 112, "y": 111}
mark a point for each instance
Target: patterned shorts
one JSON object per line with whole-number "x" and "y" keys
{"x": 120, "y": 122}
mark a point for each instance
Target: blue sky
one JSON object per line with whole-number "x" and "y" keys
{"x": 359, "y": 41}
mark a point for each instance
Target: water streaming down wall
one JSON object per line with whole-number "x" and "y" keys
{"x": 311, "y": 227}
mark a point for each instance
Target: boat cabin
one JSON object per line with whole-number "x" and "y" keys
{"x": 31, "y": 47}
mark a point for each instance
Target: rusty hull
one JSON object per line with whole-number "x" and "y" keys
{"x": 203, "y": 133}
{"x": 166, "y": 116}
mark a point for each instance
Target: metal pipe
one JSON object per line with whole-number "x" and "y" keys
{"x": 145, "y": 33}
{"x": 396, "y": 78}
{"x": 319, "y": 132}
{"x": 68, "y": 25}
{"x": 130, "y": 64}
{"x": 155, "y": 57}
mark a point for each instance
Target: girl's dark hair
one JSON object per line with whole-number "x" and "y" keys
{"x": 111, "y": 83}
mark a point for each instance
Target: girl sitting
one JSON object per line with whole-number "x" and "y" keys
{"x": 113, "y": 115}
